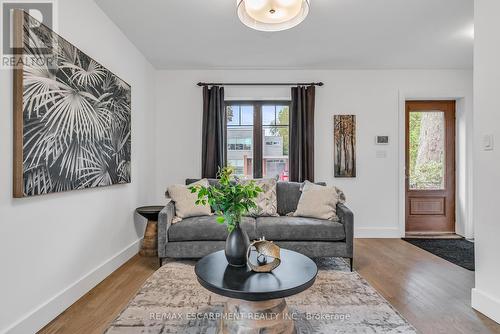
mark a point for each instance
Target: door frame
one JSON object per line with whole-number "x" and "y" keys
{"x": 463, "y": 102}
{"x": 450, "y": 147}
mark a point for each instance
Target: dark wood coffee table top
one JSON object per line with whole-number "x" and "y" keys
{"x": 150, "y": 212}
{"x": 295, "y": 274}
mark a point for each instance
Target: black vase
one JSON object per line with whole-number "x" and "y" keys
{"x": 237, "y": 243}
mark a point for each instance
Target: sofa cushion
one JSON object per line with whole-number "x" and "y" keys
{"x": 205, "y": 228}
{"x": 211, "y": 182}
{"x": 317, "y": 202}
{"x": 266, "y": 200}
{"x": 308, "y": 185}
{"x": 185, "y": 201}
{"x": 288, "y": 195}
{"x": 299, "y": 229}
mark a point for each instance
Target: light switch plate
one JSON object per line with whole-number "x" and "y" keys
{"x": 488, "y": 143}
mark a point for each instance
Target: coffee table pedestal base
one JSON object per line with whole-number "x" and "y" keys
{"x": 270, "y": 317}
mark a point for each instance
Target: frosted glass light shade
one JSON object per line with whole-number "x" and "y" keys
{"x": 272, "y": 15}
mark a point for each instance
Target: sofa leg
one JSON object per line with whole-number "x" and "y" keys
{"x": 351, "y": 261}
{"x": 159, "y": 261}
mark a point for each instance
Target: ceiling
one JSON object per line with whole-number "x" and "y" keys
{"x": 337, "y": 34}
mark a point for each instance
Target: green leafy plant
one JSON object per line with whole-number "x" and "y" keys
{"x": 230, "y": 199}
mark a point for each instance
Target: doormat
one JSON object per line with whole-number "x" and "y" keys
{"x": 457, "y": 251}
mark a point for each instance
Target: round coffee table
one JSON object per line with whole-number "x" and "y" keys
{"x": 256, "y": 301}
{"x": 149, "y": 246}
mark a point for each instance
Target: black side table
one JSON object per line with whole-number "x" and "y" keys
{"x": 149, "y": 246}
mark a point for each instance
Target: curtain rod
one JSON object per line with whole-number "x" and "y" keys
{"x": 201, "y": 84}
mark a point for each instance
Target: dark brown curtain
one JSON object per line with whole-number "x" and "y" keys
{"x": 213, "y": 134}
{"x": 302, "y": 134}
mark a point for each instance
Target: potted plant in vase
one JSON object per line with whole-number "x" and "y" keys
{"x": 230, "y": 200}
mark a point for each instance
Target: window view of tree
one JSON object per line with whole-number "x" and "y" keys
{"x": 274, "y": 132}
{"x": 426, "y": 150}
{"x": 283, "y": 131}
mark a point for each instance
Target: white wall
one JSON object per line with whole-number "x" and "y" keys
{"x": 56, "y": 247}
{"x": 486, "y": 295}
{"x": 377, "y": 98}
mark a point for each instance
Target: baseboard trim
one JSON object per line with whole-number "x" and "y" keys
{"x": 377, "y": 232}
{"x": 43, "y": 314}
{"x": 485, "y": 304}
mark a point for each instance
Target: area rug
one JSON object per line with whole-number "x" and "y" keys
{"x": 457, "y": 251}
{"x": 340, "y": 301}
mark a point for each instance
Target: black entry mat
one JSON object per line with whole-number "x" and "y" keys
{"x": 457, "y": 251}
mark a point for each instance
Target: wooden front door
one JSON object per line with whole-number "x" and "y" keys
{"x": 430, "y": 166}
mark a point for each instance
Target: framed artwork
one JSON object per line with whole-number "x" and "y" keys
{"x": 72, "y": 116}
{"x": 344, "y": 145}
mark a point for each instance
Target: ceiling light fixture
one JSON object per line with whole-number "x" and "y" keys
{"x": 272, "y": 15}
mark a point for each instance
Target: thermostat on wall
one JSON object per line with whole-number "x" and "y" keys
{"x": 382, "y": 140}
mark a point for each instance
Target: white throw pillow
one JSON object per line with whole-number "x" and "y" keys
{"x": 318, "y": 202}
{"x": 307, "y": 185}
{"x": 185, "y": 201}
{"x": 267, "y": 203}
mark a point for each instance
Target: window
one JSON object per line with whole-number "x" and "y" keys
{"x": 239, "y": 144}
{"x": 240, "y": 138}
{"x": 238, "y": 166}
{"x": 258, "y": 138}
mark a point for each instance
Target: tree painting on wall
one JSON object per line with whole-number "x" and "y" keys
{"x": 72, "y": 116}
{"x": 345, "y": 145}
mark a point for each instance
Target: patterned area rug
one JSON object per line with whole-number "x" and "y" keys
{"x": 340, "y": 301}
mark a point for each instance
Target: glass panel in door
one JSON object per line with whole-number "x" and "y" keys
{"x": 427, "y": 150}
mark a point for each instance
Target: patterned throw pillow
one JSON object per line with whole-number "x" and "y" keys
{"x": 267, "y": 203}
{"x": 185, "y": 205}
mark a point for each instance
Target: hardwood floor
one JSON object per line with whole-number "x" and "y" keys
{"x": 432, "y": 293}
{"x": 95, "y": 310}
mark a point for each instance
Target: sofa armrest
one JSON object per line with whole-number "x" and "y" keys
{"x": 347, "y": 219}
{"x": 165, "y": 218}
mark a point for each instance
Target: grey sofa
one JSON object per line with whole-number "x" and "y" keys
{"x": 196, "y": 237}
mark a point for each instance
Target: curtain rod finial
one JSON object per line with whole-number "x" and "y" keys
{"x": 200, "y": 84}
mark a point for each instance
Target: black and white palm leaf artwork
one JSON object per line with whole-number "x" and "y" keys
{"x": 76, "y": 118}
